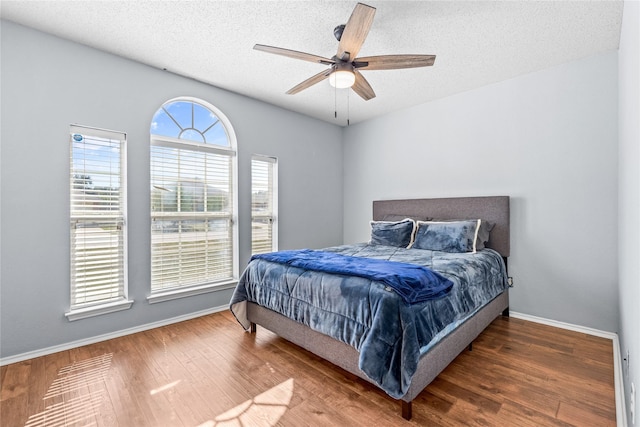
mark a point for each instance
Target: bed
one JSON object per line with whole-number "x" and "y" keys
{"x": 371, "y": 326}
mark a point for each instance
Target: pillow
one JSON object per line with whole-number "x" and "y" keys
{"x": 389, "y": 233}
{"x": 483, "y": 231}
{"x": 449, "y": 236}
{"x": 483, "y": 234}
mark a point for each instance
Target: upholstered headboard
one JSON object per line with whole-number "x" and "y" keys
{"x": 494, "y": 209}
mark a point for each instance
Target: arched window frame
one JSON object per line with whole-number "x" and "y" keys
{"x": 165, "y": 292}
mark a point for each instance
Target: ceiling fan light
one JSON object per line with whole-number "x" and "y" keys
{"x": 342, "y": 79}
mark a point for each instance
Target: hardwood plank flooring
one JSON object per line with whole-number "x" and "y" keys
{"x": 207, "y": 372}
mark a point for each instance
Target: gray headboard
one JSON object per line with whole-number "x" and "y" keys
{"x": 492, "y": 208}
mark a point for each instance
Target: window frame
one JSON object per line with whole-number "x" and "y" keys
{"x": 273, "y": 214}
{"x": 76, "y": 310}
{"x": 171, "y": 293}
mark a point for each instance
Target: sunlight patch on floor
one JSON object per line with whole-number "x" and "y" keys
{"x": 75, "y": 395}
{"x": 264, "y": 410}
{"x": 164, "y": 387}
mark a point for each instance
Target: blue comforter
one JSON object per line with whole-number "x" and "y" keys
{"x": 412, "y": 282}
{"x": 389, "y": 334}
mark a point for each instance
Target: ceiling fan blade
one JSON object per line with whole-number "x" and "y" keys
{"x": 394, "y": 62}
{"x": 355, "y": 31}
{"x": 362, "y": 87}
{"x": 294, "y": 54}
{"x": 310, "y": 82}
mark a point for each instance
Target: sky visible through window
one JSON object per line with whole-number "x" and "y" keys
{"x": 189, "y": 121}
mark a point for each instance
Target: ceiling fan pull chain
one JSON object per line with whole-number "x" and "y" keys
{"x": 335, "y": 103}
{"x": 348, "y": 105}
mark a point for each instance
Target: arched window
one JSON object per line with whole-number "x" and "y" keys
{"x": 193, "y": 200}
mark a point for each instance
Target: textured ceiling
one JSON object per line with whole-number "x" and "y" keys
{"x": 476, "y": 43}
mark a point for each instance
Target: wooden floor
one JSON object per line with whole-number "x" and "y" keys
{"x": 208, "y": 372}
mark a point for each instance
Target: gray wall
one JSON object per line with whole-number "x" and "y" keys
{"x": 49, "y": 83}
{"x": 629, "y": 199}
{"x": 547, "y": 139}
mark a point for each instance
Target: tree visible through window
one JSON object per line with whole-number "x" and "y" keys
{"x": 193, "y": 200}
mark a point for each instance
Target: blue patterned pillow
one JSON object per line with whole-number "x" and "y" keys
{"x": 457, "y": 236}
{"x": 398, "y": 234}
{"x": 483, "y": 232}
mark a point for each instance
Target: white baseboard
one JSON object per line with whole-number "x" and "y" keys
{"x": 563, "y": 325}
{"x": 111, "y": 335}
{"x": 621, "y": 410}
{"x": 618, "y": 383}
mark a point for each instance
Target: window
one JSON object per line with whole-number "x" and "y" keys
{"x": 193, "y": 200}
{"x": 98, "y": 222}
{"x": 263, "y": 205}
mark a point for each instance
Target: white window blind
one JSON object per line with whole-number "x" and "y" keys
{"x": 263, "y": 204}
{"x": 98, "y": 217}
{"x": 192, "y": 200}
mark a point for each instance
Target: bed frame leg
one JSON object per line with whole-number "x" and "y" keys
{"x": 252, "y": 328}
{"x": 470, "y": 346}
{"x": 406, "y": 410}
{"x": 505, "y": 312}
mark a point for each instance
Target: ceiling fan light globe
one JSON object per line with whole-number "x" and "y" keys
{"x": 342, "y": 79}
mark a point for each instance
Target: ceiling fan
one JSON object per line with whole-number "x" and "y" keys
{"x": 344, "y": 66}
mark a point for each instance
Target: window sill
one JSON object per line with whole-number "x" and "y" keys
{"x": 97, "y": 310}
{"x": 191, "y": 291}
